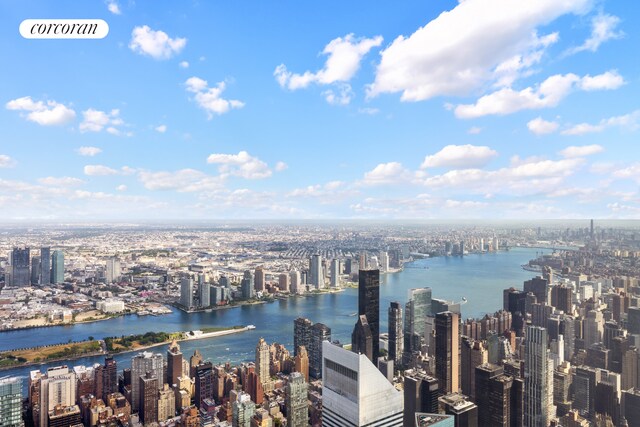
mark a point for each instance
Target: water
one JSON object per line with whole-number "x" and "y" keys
{"x": 479, "y": 278}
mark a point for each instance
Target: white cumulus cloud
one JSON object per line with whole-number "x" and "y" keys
{"x": 161, "y": 128}
{"x": 6, "y": 161}
{"x": 281, "y": 166}
{"x": 539, "y": 126}
{"x": 548, "y": 94}
{"x": 210, "y": 98}
{"x": 628, "y": 121}
{"x": 581, "y": 151}
{"x": 460, "y": 156}
{"x": 344, "y": 55}
{"x": 386, "y": 173}
{"x": 96, "y": 121}
{"x": 63, "y": 181}
{"x": 603, "y": 28}
{"x": 465, "y": 48}
{"x": 113, "y": 7}
{"x": 156, "y": 44}
{"x": 48, "y": 113}
{"x": 89, "y": 151}
{"x": 242, "y": 164}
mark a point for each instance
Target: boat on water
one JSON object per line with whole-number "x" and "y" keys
{"x": 250, "y": 327}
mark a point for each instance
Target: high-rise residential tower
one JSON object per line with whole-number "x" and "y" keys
{"x": 447, "y": 325}
{"x": 369, "y": 305}
{"x": 396, "y": 333}
{"x": 296, "y": 401}
{"x": 57, "y": 267}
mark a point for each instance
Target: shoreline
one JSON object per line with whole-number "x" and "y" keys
{"x": 185, "y": 337}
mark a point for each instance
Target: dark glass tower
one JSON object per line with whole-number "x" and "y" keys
{"x": 369, "y": 305}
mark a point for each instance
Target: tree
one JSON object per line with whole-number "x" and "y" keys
{"x": 90, "y": 337}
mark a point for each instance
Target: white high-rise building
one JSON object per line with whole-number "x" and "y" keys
{"x": 315, "y": 272}
{"x": 204, "y": 291}
{"x": 593, "y": 328}
{"x": 335, "y": 273}
{"x": 186, "y": 291}
{"x": 296, "y": 282}
{"x": 57, "y": 388}
{"x": 113, "y": 270}
{"x": 355, "y": 393}
{"x": 383, "y": 260}
{"x": 141, "y": 364}
{"x": 538, "y": 382}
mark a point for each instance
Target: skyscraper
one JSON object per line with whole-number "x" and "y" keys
{"x": 301, "y": 333}
{"x": 11, "y": 402}
{"x": 259, "y": 279}
{"x": 45, "y": 266}
{"x": 421, "y": 394}
{"x": 204, "y": 291}
{"x": 148, "y": 394}
{"x": 335, "y": 272}
{"x": 416, "y": 311}
{"x": 243, "y": 410}
{"x": 355, "y": 393}
{"x": 57, "y": 267}
{"x": 316, "y": 275}
{"x": 35, "y": 270}
{"x": 472, "y": 354}
{"x": 174, "y": 363}
{"x": 203, "y": 383}
{"x": 247, "y": 285}
{"x": 20, "y": 259}
{"x": 319, "y": 333}
{"x": 493, "y": 396}
{"x": 464, "y": 411}
{"x": 141, "y": 364}
{"x": 109, "y": 377}
{"x": 361, "y": 338}
{"x": 447, "y": 326}
{"x": 296, "y": 401}
{"x": 369, "y": 305}
{"x": 301, "y": 362}
{"x": 113, "y": 270}
{"x": 186, "y": 291}
{"x": 263, "y": 358}
{"x": 538, "y": 392}
{"x": 396, "y": 333}
{"x": 57, "y": 389}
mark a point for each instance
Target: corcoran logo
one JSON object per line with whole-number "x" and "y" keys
{"x": 64, "y": 29}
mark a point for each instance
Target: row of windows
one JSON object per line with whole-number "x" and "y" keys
{"x": 342, "y": 370}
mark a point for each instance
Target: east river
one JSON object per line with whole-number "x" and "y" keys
{"x": 480, "y": 278}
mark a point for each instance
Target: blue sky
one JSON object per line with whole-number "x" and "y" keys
{"x": 418, "y": 110}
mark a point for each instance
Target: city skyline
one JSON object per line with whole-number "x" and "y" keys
{"x": 204, "y": 111}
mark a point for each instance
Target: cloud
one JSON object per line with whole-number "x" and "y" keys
{"x": 530, "y": 176}
{"x": 546, "y": 95}
{"x": 156, "y": 44}
{"x": 183, "y": 180}
{"x": 609, "y": 80}
{"x": 458, "y": 52}
{"x": 50, "y": 113}
{"x": 581, "y": 151}
{"x": 64, "y": 181}
{"x": 96, "y": 121}
{"x": 340, "y": 96}
{"x": 344, "y": 55}
{"x": 161, "y": 128}
{"x": 460, "y": 156}
{"x": 89, "y": 151}
{"x": 329, "y": 193}
{"x": 539, "y": 126}
{"x": 99, "y": 170}
{"x": 210, "y": 98}
{"x": 630, "y": 172}
{"x": 368, "y": 110}
{"x": 6, "y": 161}
{"x": 113, "y": 7}
{"x": 242, "y": 164}
{"x": 183, "y": 64}
{"x": 603, "y": 28}
{"x": 474, "y": 130}
{"x": 121, "y": 187}
{"x": 281, "y": 166}
{"x": 386, "y": 173}
{"x": 627, "y": 121}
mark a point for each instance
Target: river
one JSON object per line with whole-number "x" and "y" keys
{"x": 480, "y": 278}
